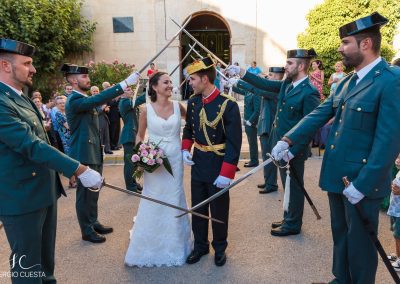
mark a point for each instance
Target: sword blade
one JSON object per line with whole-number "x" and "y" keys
{"x": 160, "y": 202}
{"x": 200, "y": 44}
{"x": 222, "y": 191}
{"x": 183, "y": 59}
{"x": 165, "y": 47}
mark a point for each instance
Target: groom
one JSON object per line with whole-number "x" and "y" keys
{"x": 213, "y": 126}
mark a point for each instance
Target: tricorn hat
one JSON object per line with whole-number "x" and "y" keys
{"x": 277, "y": 69}
{"x": 18, "y": 47}
{"x": 73, "y": 69}
{"x": 373, "y": 20}
{"x": 200, "y": 64}
{"x": 301, "y": 53}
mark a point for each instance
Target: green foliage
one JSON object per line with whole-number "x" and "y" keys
{"x": 55, "y": 27}
{"x": 323, "y": 28}
{"x": 113, "y": 72}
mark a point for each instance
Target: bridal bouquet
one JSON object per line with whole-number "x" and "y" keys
{"x": 149, "y": 157}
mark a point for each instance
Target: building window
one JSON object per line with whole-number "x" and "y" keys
{"x": 123, "y": 24}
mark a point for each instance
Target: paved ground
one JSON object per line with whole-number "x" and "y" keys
{"x": 254, "y": 256}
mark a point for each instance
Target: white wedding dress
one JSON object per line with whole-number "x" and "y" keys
{"x": 157, "y": 237}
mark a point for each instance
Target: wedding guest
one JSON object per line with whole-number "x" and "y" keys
{"x": 394, "y": 213}
{"x": 104, "y": 122}
{"x": 317, "y": 76}
{"x": 336, "y": 77}
{"x": 151, "y": 70}
{"x": 254, "y": 69}
{"x": 30, "y": 170}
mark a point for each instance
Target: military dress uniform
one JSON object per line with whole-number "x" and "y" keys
{"x": 361, "y": 146}
{"x": 293, "y": 104}
{"x": 213, "y": 126}
{"x": 128, "y": 111}
{"x": 269, "y": 101}
{"x": 29, "y": 170}
{"x": 83, "y": 122}
{"x": 251, "y": 114}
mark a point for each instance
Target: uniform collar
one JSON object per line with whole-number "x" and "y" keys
{"x": 295, "y": 84}
{"x": 210, "y": 97}
{"x": 18, "y": 92}
{"x": 364, "y": 71}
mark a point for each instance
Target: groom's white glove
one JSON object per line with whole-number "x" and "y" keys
{"x": 222, "y": 182}
{"x": 232, "y": 70}
{"x": 187, "y": 158}
{"x": 278, "y": 151}
{"x": 131, "y": 80}
{"x": 91, "y": 178}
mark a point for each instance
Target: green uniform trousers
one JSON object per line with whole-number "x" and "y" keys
{"x": 129, "y": 167}
{"x": 270, "y": 170}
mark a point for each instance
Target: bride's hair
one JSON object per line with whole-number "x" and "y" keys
{"x": 153, "y": 81}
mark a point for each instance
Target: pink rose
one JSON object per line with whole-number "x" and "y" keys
{"x": 159, "y": 161}
{"x": 153, "y": 152}
{"x": 135, "y": 158}
{"x": 151, "y": 162}
{"x": 161, "y": 153}
{"x": 144, "y": 153}
{"x": 142, "y": 146}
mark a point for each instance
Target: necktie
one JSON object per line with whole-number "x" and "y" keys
{"x": 352, "y": 82}
{"x": 289, "y": 89}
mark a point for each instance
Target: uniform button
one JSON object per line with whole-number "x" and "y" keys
{"x": 90, "y": 141}
{"x": 291, "y": 107}
{"x": 283, "y": 103}
{"x": 280, "y": 109}
{"x": 376, "y": 189}
{"x": 192, "y": 125}
{"x": 336, "y": 133}
{"x": 217, "y": 112}
{"x": 364, "y": 161}
{"x": 34, "y": 123}
{"x": 342, "y": 106}
{"x": 358, "y": 109}
{"x": 277, "y": 118}
{"x": 219, "y": 106}
{"x": 192, "y": 104}
{"x": 332, "y": 147}
{"x": 33, "y": 174}
{"x": 340, "y": 120}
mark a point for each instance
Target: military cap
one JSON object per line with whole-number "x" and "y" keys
{"x": 18, "y": 47}
{"x": 362, "y": 24}
{"x": 200, "y": 64}
{"x": 277, "y": 69}
{"x": 74, "y": 69}
{"x": 301, "y": 53}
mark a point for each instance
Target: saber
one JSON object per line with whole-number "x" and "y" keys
{"x": 374, "y": 238}
{"x": 165, "y": 47}
{"x": 222, "y": 191}
{"x": 199, "y": 43}
{"x": 296, "y": 177}
{"x": 183, "y": 59}
{"x": 160, "y": 202}
{"x": 220, "y": 73}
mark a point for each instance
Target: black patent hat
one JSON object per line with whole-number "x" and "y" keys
{"x": 74, "y": 69}
{"x": 17, "y": 47}
{"x": 301, "y": 53}
{"x": 277, "y": 69}
{"x": 373, "y": 20}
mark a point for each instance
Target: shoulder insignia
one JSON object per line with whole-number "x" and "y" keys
{"x": 228, "y": 97}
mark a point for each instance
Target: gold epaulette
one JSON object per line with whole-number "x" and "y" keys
{"x": 228, "y": 97}
{"x": 193, "y": 95}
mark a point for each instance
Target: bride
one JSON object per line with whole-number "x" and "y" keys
{"x": 157, "y": 237}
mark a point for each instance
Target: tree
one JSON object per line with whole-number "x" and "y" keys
{"x": 324, "y": 21}
{"x": 55, "y": 27}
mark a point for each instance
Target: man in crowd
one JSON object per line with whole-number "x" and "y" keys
{"x": 85, "y": 142}
{"x": 364, "y": 108}
{"x": 29, "y": 169}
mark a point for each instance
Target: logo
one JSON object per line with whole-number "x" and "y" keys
{"x": 23, "y": 270}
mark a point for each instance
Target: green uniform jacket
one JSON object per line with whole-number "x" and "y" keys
{"x": 363, "y": 142}
{"x": 251, "y": 102}
{"x": 83, "y": 122}
{"x": 129, "y": 117}
{"x": 28, "y": 164}
{"x": 291, "y": 108}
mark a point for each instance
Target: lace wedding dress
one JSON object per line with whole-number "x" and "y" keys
{"x": 157, "y": 237}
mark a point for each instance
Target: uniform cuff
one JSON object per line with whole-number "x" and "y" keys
{"x": 228, "y": 170}
{"x": 187, "y": 144}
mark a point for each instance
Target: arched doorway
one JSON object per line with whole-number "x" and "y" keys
{"x": 213, "y": 32}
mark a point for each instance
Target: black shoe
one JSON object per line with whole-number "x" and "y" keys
{"x": 269, "y": 190}
{"x": 250, "y": 165}
{"x": 99, "y": 228}
{"x": 139, "y": 188}
{"x": 261, "y": 185}
{"x": 109, "y": 152}
{"x": 195, "y": 256}
{"x": 282, "y": 232}
{"x": 220, "y": 259}
{"x": 94, "y": 238}
{"x": 277, "y": 224}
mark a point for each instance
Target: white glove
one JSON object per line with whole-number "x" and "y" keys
{"x": 187, "y": 158}
{"x": 222, "y": 182}
{"x": 131, "y": 80}
{"x": 287, "y": 156}
{"x": 91, "y": 178}
{"x": 248, "y": 123}
{"x": 352, "y": 194}
{"x": 279, "y": 150}
{"x": 232, "y": 81}
{"x": 232, "y": 70}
